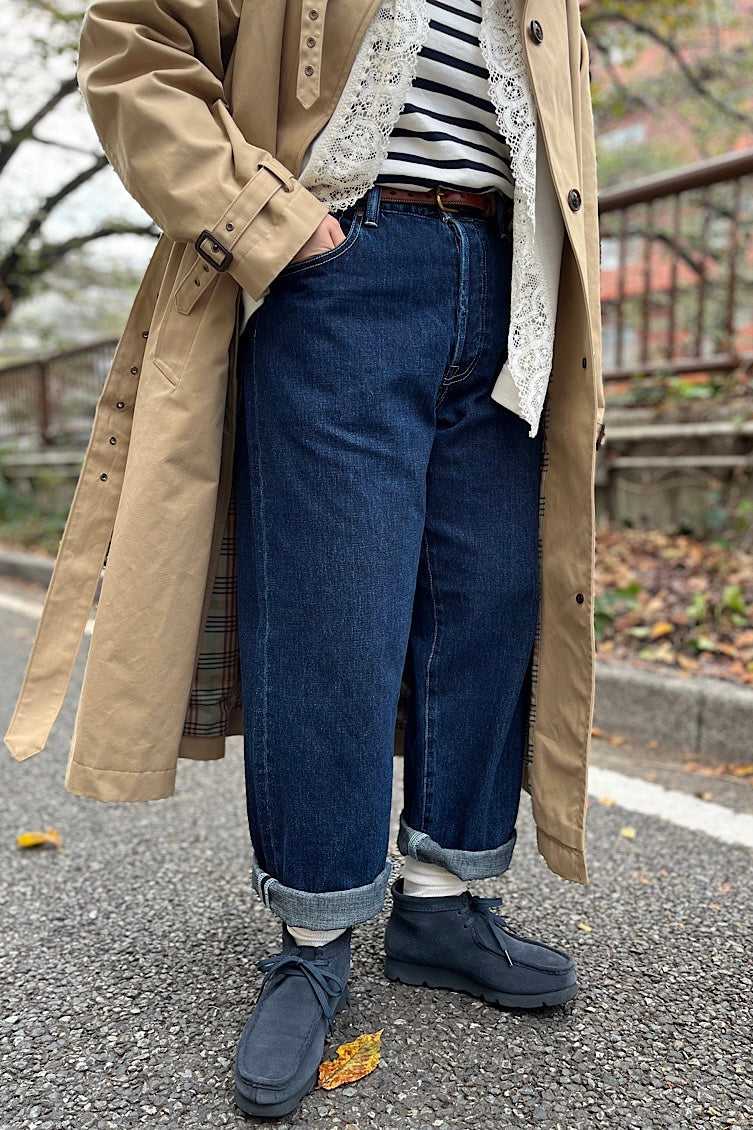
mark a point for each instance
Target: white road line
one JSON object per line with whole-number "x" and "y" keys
{"x": 672, "y": 805}
{"x": 32, "y": 609}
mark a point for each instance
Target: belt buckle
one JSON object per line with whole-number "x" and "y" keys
{"x": 444, "y": 207}
{"x": 216, "y": 247}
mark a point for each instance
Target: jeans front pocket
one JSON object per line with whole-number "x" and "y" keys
{"x": 353, "y": 225}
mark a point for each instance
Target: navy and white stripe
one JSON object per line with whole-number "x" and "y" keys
{"x": 447, "y": 133}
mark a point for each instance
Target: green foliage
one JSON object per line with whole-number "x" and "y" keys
{"x": 611, "y": 604}
{"x": 35, "y": 519}
{"x": 704, "y": 613}
{"x": 698, "y": 608}
{"x": 730, "y": 524}
{"x": 699, "y": 80}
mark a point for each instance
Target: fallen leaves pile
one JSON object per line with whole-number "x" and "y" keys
{"x": 673, "y": 601}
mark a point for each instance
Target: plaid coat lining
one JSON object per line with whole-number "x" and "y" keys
{"x": 216, "y": 689}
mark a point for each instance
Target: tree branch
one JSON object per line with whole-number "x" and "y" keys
{"x": 44, "y": 209}
{"x": 51, "y": 253}
{"x": 675, "y": 53}
{"x": 65, "y": 145}
{"x": 16, "y": 285}
{"x": 631, "y": 98}
{"x": 17, "y": 136}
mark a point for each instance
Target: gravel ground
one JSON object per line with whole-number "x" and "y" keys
{"x": 127, "y": 971}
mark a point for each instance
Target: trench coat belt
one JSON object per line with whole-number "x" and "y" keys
{"x": 86, "y": 538}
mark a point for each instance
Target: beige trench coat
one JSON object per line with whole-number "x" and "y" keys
{"x": 205, "y": 109}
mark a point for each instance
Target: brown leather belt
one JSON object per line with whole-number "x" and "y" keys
{"x": 445, "y": 198}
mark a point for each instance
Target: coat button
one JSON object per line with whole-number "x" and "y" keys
{"x": 309, "y": 70}
{"x": 579, "y": 597}
{"x": 313, "y": 14}
{"x": 311, "y": 42}
{"x": 103, "y": 476}
{"x": 536, "y": 31}
{"x": 113, "y": 440}
{"x": 120, "y": 404}
{"x": 574, "y": 199}
{"x": 134, "y": 369}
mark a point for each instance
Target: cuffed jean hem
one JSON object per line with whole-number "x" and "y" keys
{"x": 325, "y": 910}
{"x": 464, "y": 864}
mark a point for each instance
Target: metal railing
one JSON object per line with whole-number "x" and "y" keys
{"x": 677, "y": 274}
{"x": 677, "y": 300}
{"x": 51, "y": 400}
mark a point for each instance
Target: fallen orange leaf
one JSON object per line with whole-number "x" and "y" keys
{"x": 37, "y": 839}
{"x": 354, "y": 1060}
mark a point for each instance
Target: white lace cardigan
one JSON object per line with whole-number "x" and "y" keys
{"x": 345, "y": 158}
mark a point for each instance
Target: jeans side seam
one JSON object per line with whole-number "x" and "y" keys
{"x": 264, "y": 626}
{"x": 435, "y": 603}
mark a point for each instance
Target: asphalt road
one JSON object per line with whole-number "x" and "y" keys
{"x": 127, "y": 967}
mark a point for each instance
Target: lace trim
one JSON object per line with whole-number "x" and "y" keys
{"x": 345, "y": 159}
{"x": 531, "y": 342}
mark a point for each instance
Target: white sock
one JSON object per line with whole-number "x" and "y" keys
{"x": 429, "y": 880}
{"x": 304, "y": 937}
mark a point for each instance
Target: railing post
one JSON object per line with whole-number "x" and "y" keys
{"x": 44, "y": 403}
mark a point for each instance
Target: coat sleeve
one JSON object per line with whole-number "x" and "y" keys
{"x": 151, "y": 73}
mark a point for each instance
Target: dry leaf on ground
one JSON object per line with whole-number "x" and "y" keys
{"x": 354, "y": 1060}
{"x": 39, "y": 839}
{"x": 628, "y": 833}
{"x": 651, "y": 586}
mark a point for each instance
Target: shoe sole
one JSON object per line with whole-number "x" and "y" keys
{"x": 409, "y": 974}
{"x": 275, "y": 1110}
{"x": 278, "y": 1110}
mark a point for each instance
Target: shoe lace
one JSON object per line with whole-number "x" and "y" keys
{"x": 482, "y": 906}
{"x": 327, "y": 987}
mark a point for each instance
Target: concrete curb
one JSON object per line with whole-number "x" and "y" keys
{"x": 692, "y": 714}
{"x": 30, "y": 567}
{"x": 26, "y": 566}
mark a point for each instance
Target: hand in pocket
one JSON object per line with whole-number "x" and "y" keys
{"x": 329, "y": 234}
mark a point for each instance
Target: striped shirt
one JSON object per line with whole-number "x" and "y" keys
{"x": 447, "y": 133}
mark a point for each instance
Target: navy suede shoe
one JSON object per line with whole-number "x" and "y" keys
{"x": 281, "y": 1046}
{"x": 455, "y": 942}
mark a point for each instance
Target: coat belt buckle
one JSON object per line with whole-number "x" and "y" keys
{"x": 215, "y": 248}
{"x": 439, "y": 200}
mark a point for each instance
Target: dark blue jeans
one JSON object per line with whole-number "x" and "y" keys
{"x": 387, "y": 509}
